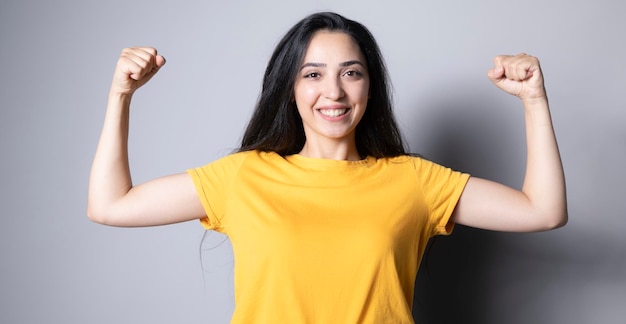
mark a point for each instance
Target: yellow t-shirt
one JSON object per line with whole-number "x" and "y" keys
{"x": 326, "y": 241}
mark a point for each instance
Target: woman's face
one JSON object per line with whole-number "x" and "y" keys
{"x": 332, "y": 88}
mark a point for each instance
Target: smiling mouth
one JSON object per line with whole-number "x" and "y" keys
{"x": 333, "y": 112}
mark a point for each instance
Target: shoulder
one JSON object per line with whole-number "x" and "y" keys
{"x": 253, "y": 159}
{"x": 231, "y": 161}
{"x": 404, "y": 160}
{"x": 246, "y": 157}
{"x": 423, "y": 168}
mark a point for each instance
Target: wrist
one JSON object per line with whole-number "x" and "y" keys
{"x": 118, "y": 102}
{"x": 541, "y": 101}
{"x": 537, "y": 111}
{"x": 119, "y": 97}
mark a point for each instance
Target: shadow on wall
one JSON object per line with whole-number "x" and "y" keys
{"x": 452, "y": 284}
{"x": 485, "y": 138}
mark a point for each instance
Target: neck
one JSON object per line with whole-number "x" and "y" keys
{"x": 337, "y": 151}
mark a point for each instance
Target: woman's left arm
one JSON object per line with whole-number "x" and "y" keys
{"x": 541, "y": 204}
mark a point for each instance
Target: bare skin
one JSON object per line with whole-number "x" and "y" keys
{"x": 112, "y": 198}
{"x": 540, "y": 204}
{"x": 331, "y": 92}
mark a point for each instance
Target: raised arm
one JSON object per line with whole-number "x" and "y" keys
{"x": 541, "y": 203}
{"x": 112, "y": 198}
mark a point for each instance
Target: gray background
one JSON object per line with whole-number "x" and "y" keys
{"x": 56, "y": 61}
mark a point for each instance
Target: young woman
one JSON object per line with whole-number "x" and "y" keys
{"x": 327, "y": 213}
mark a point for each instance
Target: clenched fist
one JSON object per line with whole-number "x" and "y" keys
{"x": 519, "y": 75}
{"x": 135, "y": 67}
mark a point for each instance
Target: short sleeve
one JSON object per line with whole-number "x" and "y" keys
{"x": 213, "y": 182}
{"x": 442, "y": 189}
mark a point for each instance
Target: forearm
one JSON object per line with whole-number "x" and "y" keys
{"x": 112, "y": 198}
{"x": 544, "y": 182}
{"x": 541, "y": 204}
{"x": 110, "y": 178}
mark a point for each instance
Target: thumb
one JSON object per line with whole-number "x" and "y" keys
{"x": 496, "y": 73}
{"x": 159, "y": 61}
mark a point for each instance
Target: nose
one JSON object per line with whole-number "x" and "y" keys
{"x": 333, "y": 89}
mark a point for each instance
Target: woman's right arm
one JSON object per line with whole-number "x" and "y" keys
{"x": 112, "y": 198}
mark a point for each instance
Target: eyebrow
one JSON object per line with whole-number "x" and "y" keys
{"x": 343, "y": 64}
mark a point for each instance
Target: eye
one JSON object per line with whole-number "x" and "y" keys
{"x": 353, "y": 74}
{"x": 312, "y": 75}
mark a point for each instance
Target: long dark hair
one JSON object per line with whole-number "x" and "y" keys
{"x": 276, "y": 124}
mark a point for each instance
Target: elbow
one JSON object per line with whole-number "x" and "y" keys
{"x": 556, "y": 220}
{"x": 96, "y": 216}
{"x": 111, "y": 215}
{"x": 562, "y": 220}
{"x": 96, "y": 209}
{"x": 99, "y": 215}
{"x": 562, "y": 217}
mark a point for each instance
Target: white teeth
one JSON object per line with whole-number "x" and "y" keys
{"x": 333, "y": 112}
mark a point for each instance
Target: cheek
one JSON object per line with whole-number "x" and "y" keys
{"x": 359, "y": 89}
{"x": 306, "y": 94}
{"x": 363, "y": 93}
